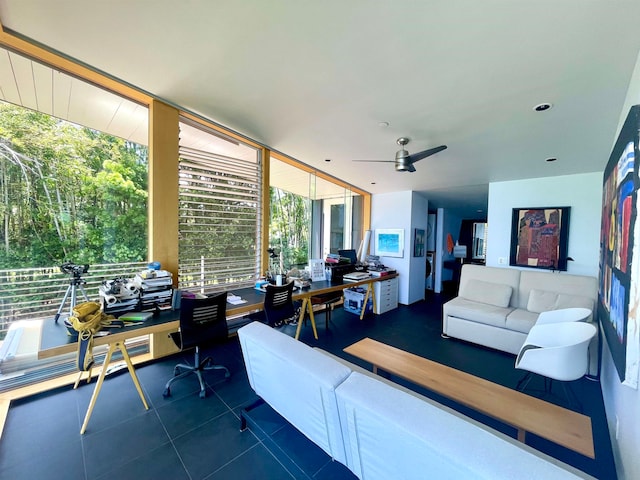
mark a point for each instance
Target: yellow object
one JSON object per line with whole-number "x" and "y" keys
{"x": 86, "y": 308}
{"x": 88, "y": 316}
{"x": 87, "y": 319}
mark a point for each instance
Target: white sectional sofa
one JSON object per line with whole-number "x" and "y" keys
{"x": 496, "y": 307}
{"x": 378, "y": 429}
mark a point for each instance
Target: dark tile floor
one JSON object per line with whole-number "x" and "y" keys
{"x": 185, "y": 437}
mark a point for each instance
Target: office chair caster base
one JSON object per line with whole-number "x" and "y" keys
{"x": 166, "y": 393}
{"x": 203, "y": 393}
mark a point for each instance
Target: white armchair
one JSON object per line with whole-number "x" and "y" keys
{"x": 558, "y": 351}
{"x": 576, "y": 314}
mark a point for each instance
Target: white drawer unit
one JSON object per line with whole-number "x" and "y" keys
{"x": 386, "y": 292}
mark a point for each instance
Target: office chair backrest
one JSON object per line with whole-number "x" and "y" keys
{"x": 278, "y": 303}
{"x": 203, "y": 320}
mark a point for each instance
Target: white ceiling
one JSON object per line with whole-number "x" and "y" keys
{"x": 314, "y": 80}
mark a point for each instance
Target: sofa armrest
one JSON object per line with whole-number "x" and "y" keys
{"x": 297, "y": 381}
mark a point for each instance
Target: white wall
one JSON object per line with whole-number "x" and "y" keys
{"x": 406, "y": 210}
{"x": 417, "y": 265}
{"x": 622, "y": 403}
{"x": 393, "y": 210}
{"x": 583, "y": 193}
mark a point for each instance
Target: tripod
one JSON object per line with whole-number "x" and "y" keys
{"x": 76, "y": 281}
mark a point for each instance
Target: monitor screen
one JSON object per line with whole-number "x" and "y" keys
{"x": 350, "y": 254}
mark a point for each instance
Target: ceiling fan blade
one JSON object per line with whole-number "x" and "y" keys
{"x": 378, "y": 161}
{"x": 411, "y": 168}
{"x": 426, "y": 153}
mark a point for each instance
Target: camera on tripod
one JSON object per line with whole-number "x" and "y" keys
{"x": 75, "y": 281}
{"x": 73, "y": 269}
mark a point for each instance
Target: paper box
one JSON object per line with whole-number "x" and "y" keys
{"x": 353, "y": 299}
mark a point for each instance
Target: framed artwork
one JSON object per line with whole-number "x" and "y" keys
{"x": 390, "y": 242}
{"x": 618, "y": 294}
{"x": 418, "y": 242}
{"x": 539, "y": 237}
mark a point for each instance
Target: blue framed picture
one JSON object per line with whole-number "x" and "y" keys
{"x": 390, "y": 242}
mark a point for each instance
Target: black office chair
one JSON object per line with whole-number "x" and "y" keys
{"x": 202, "y": 322}
{"x": 278, "y": 305}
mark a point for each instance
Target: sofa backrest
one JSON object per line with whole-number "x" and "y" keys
{"x": 391, "y": 434}
{"x": 298, "y": 382}
{"x": 550, "y": 290}
{"x": 472, "y": 275}
{"x": 564, "y": 290}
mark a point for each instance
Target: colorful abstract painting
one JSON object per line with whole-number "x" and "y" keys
{"x": 539, "y": 237}
{"x": 618, "y": 285}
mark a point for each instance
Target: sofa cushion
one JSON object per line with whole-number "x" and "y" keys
{"x": 560, "y": 283}
{"x": 571, "y": 301}
{"x": 541, "y": 300}
{"x": 477, "y": 312}
{"x": 521, "y": 320}
{"x": 544, "y": 300}
{"x": 487, "y": 292}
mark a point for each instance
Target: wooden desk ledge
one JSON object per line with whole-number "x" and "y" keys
{"x": 526, "y": 413}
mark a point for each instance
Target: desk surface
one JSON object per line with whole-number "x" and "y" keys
{"x": 529, "y": 414}
{"x": 55, "y": 340}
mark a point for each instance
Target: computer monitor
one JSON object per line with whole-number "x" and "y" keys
{"x": 350, "y": 254}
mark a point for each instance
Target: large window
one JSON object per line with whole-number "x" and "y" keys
{"x": 73, "y": 183}
{"x": 311, "y": 216}
{"x": 74, "y": 188}
{"x": 220, "y": 211}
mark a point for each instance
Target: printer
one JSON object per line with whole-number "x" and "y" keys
{"x": 339, "y": 270}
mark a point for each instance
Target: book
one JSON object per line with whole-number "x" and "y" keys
{"x": 135, "y": 316}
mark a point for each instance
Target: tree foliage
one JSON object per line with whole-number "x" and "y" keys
{"x": 69, "y": 193}
{"x": 289, "y": 226}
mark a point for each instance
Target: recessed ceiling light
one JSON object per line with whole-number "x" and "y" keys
{"x": 541, "y": 107}
{"x": 551, "y": 159}
{"x": 383, "y": 124}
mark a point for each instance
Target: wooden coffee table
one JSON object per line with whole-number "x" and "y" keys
{"x": 524, "y": 412}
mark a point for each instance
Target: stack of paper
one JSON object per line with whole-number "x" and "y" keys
{"x": 235, "y": 299}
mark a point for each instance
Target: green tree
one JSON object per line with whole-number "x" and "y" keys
{"x": 289, "y": 226}
{"x": 69, "y": 193}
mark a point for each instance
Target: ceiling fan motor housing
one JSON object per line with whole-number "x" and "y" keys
{"x": 402, "y": 161}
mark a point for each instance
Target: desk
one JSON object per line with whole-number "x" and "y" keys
{"x": 55, "y": 340}
{"x": 527, "y": 414}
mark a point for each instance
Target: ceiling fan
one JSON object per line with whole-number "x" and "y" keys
{"x": 404, "y": 162}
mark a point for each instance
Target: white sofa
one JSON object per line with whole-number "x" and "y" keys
{"x": 378, "y": 429}
{"x": 496, "y": 307}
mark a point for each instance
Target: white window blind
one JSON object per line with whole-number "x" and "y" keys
{"x": 220, "y": 215}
